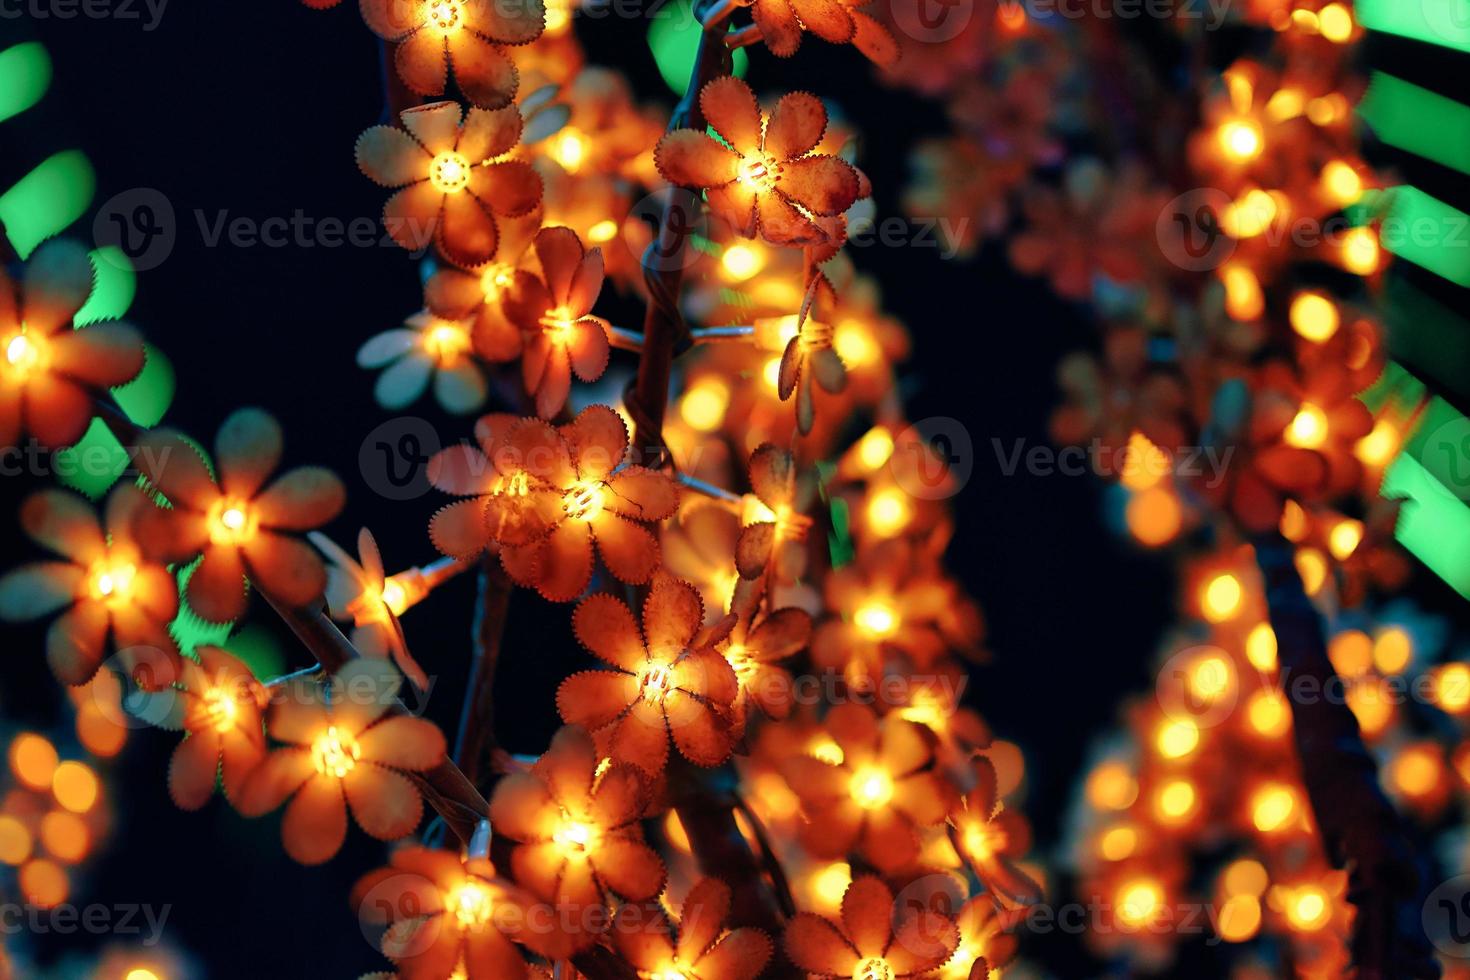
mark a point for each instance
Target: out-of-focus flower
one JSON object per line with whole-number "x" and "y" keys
{"x": 662, "y": 686}
{"x": 554, "y": 310}
{"x": 872, "y": 792}
{"x": 753, "y": 651}
{"x": 364, "y": 595}
{"x": 1121, "y": 393}
{"x": 875, "y": 938}
{"x": 992, "y": 837}
{"x": 237, "y": 520}
{"x": 50, "y": 373}
{"x": 782, "y": 22}
{"x": 454, "y": 183}
{"x": 1099, "y": 223}
{"x": 809, "y": 356}
{"x": 704, "y": 950}
{"x": 776, "y": 540}
{"x": 427, "y": 347}
{"x": 433, "y": 37}
{"x": 984, "y": 942}
{"x": 579, "y": 838}
{"x": 447, "y": 917}
{"x": 764, "y": 177}
{"x": 105, "y": 584}
{"x": 345, "y": 750}
{"x": 218, "y": 704}
{"x": 549, "y": 497}
{"x": 698, "y": 546}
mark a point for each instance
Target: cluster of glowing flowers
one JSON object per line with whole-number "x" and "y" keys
{"x": 456, "y": 184}
{"x": 218, "y": 704}
{"x": 364, "y": 595}
{"x": 668, "y": 681}
{"x": 577, "y": 823}
{"x": 607, "y": 133}
{"x": 764, "y": 176}
{"x": 877, "y": 939}
{"x": 50, "y": 374}
{"x": 774, "y": 543}
{"x": 239, "y": 522}
{"x": 872, "y": 794}
{"x": 1098, "y": 224}
{"x": 445, "y": 916}
{"x": 550, "y": 496}
{"x": 703, "y": 949}
{"x": 102, "y": 581}
{"x": 51, "y": 819}
{"x": 893, "y": 601}
{"x": 782, "y": 22}
{"x": 346, "y": 747}
{"x": 553, "y": 311}
{"x": 433, "y": 38}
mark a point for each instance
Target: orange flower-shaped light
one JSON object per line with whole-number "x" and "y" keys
{"x": 434, "y": 37}
{"x": 984, "y": 943}
{"x": 990, "y": 838}
{"x": 871, "y": 798}
{"x": 698, "y": 546}
{"x": 753, "y": 651}
{"x": 346, "y": 750}
{"x": 767, "y": 177}
{"x": 473, "y": 298}
{"x": 104, "y": 584}
{"x": 50, "y": 373}
{"x": 875, "y": 941}
{"x": 810, "y": 357}
{"x": 781, "y": 23}
{"x": 233, "y": 521}
{"x": 704, "y": 950}
{"x": 664, "y": 684}
{"x": 554, "y": 310}
{"x": 551, "y": 494}
{"x": 454, "y": 185}
{"x": 893, "y": 600}
{"x": 776, "y": 539}
{"x": 446, "y": 917}
{"x": 218, "y": 703}
{"x": 364, "y": 595}
{"x": 577, "y": 824}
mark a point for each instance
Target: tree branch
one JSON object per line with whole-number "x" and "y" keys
{"x": 476, "y": 723}
{"x": 1360, "y": 828}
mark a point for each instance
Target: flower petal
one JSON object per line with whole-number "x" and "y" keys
{"x": 730, "y": 107}
{"x": 796, "y": 126}
{"x": 605, "y": 626}
{"x": 389, "y": 156}
{"x": 483, "y": 71}
{"x": 384, "y": 802}
{"x": 689, "y": 158}
{"x": 315, "y": 824}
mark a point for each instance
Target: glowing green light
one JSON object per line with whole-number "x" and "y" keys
{"x": 1442, "y": 22}
{"x": 188, "y": 629}
{"x": 93, "y": 464}
{"x": 1433, "y": 524}
{"x": 1418, "y": 120}
{"x": 25, "y": 74}
{"x": 673, "y": 37}
{"x": 148, "y": 396}
{"x": 114, "y": 284}
{"x": 1423, "y": 230}
{"x": 46, "y": 200}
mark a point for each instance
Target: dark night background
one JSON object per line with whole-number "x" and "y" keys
{"x": 253, "y": 108}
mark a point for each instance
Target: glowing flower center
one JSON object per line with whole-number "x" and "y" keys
{"x": 583, "y": 501}
{"x": 495, "y": 278}
{"x": 604, "y": 231}
{"x": 984, "y": 840}
{"x": 1309, "y": 429}
{"x": 741, "y": 662}
{"x": 674, "y": 971}
{"x": 656, "y": 681}
{"x": 394, "y": 596}
{"x": 112, "y": 583}
{"x": 559, "y": 325}
{"x": 574, "y": 837}
{"x": 876, "y": 619}
{"x": 471, "y": 904}
{"x": 741, "y": 261}
{"x": 1138, "y": 902}
{"x": 827, "y": 751}
{"x": 335, "y": 753}
{"x": 569, "y": 149}
{"x": 1308, "y": 911}
{"x": 449, "y": 172}
{"x": 26, "y": 354}
{"x": 872, "y": 788}
{"x": 445, "y": 16}
{"x": 874, "y": 968}
{"x": 759, "y": 173}
{"x": 1241, "y": 140}
{"x": 232, "y": 522}
{"x": 446, "y": 342}
{"x": 221, "y": 709}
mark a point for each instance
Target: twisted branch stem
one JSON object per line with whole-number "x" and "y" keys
{"x": 1360, "y": 828}
{"x": 476, "y": 724}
